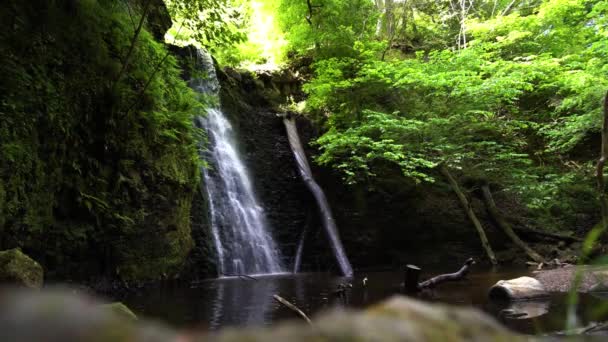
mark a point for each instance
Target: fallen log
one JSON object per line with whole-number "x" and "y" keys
{"x": 410, "y": 280}
{"x": 246, "y": 277}
{"x": 556, "y": 236}
{"x": 470, "y": 213}
{"x": 505, "y": 226}
{"x": 294, "y": 308}
{"x": 442, "y": 278}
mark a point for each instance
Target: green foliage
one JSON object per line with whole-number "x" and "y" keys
{"x": 328, "y": 27}
{"x": 514, "y": 107}
{"x": 93, "y": 168}
{"x": 213, "y": 24}
{"x": 265, "y": 43}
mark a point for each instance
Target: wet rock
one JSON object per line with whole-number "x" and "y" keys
{"x": 18, "y": 269}
{"x": 119, "y": 309}
{"x": 231, "y": 72}
{"x": 518, "y": 289}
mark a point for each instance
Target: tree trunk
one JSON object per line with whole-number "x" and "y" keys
{"x": 380, "y": 8}
{"x": 547, "y": 235}
{"x": 410, "y": 278}
{"x": 505, "y": 226}
{"x": 470, "y": 213}
{"x": 599, "y": 173}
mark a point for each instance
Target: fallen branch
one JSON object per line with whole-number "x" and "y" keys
{"x": 505, "y": 226}
{"x": 556, "y": 236}
{"x": 442, "y": 278}
{"x": 470, "y": 213}
{"x": 125, "y": 63}
{"x": 292, "y": 307}
{"x": 244, "y": 276}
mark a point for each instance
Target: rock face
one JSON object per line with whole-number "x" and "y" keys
{"x": 263, "y": 143}
{"x": 17, "y": 268}
{"x": 61, "y": 316}
{"x": 518, "y": 289}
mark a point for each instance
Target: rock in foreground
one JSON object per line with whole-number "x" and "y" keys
{"x": 398, "y": 319}
{"x": 62, "y": 316}
{"x": 17, "y": 268}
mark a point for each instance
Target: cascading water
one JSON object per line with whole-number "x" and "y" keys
{"x": 326, "y": 215}
{"x": 238, "y": 223}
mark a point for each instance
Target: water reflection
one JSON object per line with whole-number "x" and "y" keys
{"x": 242, "y": 302}
{"x": 519, "y": 309}
{"x": 218, "y": 303}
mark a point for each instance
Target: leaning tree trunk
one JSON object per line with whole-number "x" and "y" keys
{"x": 505, "y": 226}
{"x": 470, "y": 213}
{"x": 599, "y": 173}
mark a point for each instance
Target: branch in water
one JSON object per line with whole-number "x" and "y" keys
{"x": 292, "y": 307}
{"x": 442, "y": 278}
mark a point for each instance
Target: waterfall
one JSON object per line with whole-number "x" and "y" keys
{"x": 326, "y": 215}
{"x": 238, "y": 224}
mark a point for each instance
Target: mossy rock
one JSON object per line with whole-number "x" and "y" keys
{"x": 17, "y": 268}
{"x": 120, "y": 310}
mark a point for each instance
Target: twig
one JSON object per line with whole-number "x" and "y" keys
{"x": 447, "y": 277}
{"x": 133, "y": 42}
{"x": 156, "y": 68}
{"x": 292, "y": 307}
{"x": 244, "y": 276}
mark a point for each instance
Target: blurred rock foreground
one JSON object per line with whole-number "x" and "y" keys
{"x": 19, "y": 269}
{"x": 60, "y": 315}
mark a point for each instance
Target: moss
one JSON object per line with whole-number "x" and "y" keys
{"x": 18, "y": 268}
{"x": 97, "y": 167}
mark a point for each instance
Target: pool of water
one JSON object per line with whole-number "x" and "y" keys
{"x": 217, "y": 303}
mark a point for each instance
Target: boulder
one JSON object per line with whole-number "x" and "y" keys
{"x": 60, "y": 315}
{"x": 398, "y": 319}
{"x": 16, "y": 268}
{"x": 521, "y": 288}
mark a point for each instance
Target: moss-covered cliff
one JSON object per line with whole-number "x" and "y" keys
{"x": 98, "y": 161}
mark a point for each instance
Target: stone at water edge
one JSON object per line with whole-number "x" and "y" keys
{"x": 518, "y": 289}
{"x": 16, "y": 268}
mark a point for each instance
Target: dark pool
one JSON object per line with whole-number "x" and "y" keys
{"x": 217, "y": 303}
